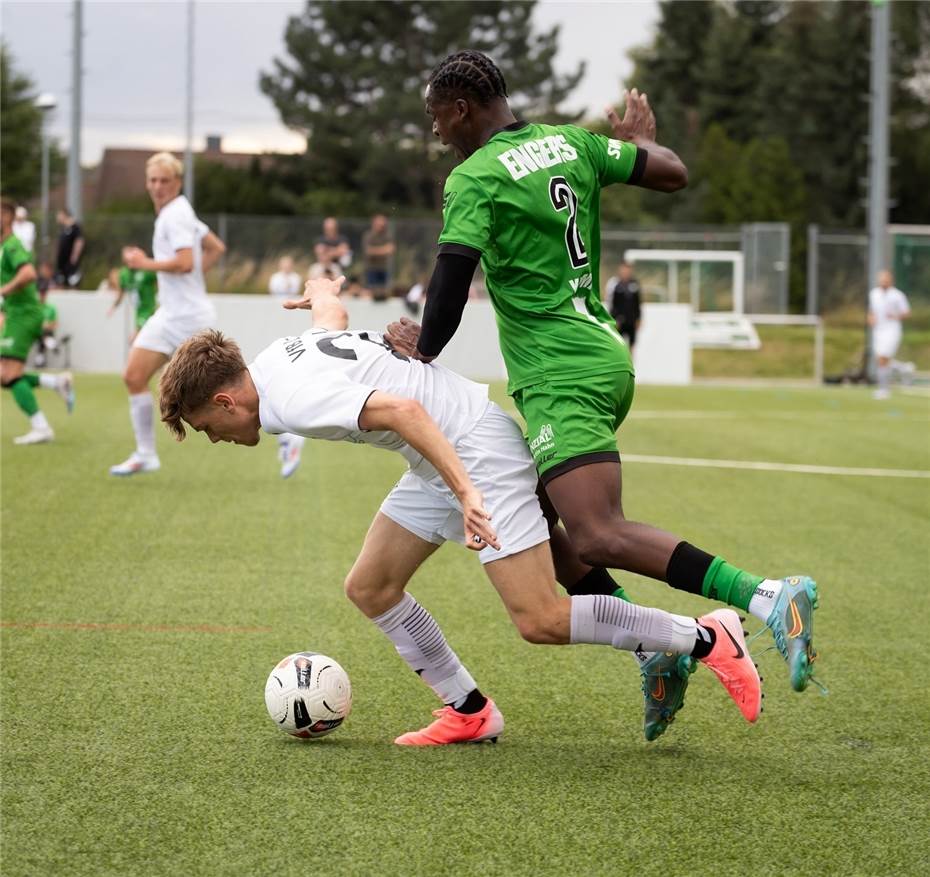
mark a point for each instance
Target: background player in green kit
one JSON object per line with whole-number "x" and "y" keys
{"x": 22, "y": 327}
{"x": 525, "y": 202}
{"x": 142, "y": 287}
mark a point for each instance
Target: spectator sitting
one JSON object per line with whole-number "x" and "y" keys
{"x": 285, "y": 282}
{"x": 24, "y": 229}
{"x": 332, "y": 248}
{"x": 70, "y": 250}
{"x": 378, "y": 248}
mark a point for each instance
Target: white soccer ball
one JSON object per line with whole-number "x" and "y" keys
{"x": 308, "y": 695}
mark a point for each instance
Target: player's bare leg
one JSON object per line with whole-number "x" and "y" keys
{"x": 377, "y": 585}
{"x": 140, "y": 366}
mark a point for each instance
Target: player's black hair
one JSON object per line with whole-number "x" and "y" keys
{"x": 467, "y": 73}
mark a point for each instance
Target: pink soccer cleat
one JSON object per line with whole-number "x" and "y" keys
{"x": 730, "y": 661}
{"x": 451, "y": 726}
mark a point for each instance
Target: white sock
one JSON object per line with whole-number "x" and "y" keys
{"x": 142, "y": 413}
{"x": 763, "y": 599}
{"x": 38, "y": 421}
{"x": 48, "y": 382}
{"x": 884, "y": 377}
{"x": 296, "y": 441}
{"x": 611, "y": 621}
{"x": 420, "y": 642}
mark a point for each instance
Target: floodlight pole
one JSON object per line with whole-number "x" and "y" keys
{"x": 878, "y": 148}
{"x": 74, "y": 153}
{"x": 189, "y": 149}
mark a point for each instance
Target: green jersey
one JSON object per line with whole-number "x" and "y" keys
{"x": 529, "y": 201}
{"x": 25, "y": 301}
{"x": 49, "y": 313}
{"x": 142, "y": 288}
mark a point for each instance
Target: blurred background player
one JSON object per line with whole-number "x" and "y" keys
{"x": 525, "y": 202}
{"x": 47, "y": 342}
{"x": 378, "y": 251}
{"x": 287, "y": 283}
{"x": 888, "y": 307}
{"x": 183, "y": 248}
{"x": 22, "y": 327}
{"x": 25, "y": 229}
{"x": 142, "y": 289}
{"x": 70, "y": 250}
{"x": 624, "y": 302}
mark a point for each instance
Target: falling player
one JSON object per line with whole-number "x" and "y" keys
{"x": 463, "y": 452}
{"x": 182, "y": 249}
{"x": 525, "y": 202}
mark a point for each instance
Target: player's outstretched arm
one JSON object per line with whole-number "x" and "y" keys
{"x": 409, "y": 419}
{"x": 321, "y": 295}
{"x": 664, "y": 171}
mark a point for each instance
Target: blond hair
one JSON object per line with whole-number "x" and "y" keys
{"x": 203, "y": 365}
{"x": 168, "y": 160}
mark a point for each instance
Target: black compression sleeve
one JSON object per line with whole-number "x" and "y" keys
{"x": 445, "y": 300}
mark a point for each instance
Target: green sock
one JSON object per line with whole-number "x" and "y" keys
{"x": 25, "y": 398}
{"x": 621, "y": 594}
{"x": 730, "y": 585}
{"x": 31, "y": 378}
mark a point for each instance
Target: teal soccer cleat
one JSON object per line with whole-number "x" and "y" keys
{"x": 665, "y": 680}
{"x": 792, "y": 626}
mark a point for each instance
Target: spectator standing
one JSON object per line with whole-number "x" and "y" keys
{"x": 624, "y": 302}
{"x": 25, "y": 229}
{"x": 888, "y": 306}
{"x": 285, "y": 281}
{"x": 70, "y": 250}
{"x": 332, "y": 248}
{"x": 378, "y": 248}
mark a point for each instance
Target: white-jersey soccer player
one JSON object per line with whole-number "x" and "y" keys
{"x": 888, "y": 306}
{"x": 468, "y": 465}
{"x": 182, "y": 249}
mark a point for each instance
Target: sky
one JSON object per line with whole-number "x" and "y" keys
{"x": 134, "y": 65}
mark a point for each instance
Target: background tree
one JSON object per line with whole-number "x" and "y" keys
{"x": 21, "y": 134}
{"x": 353, "y": 81}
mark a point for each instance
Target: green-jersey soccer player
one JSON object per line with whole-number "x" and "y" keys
{"x": 525, "y": 203}
{"x": 142, "y": 288}
{"x": 22, "y": 327}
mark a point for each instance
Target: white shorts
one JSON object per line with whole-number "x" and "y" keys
{"x": 886, "y": 339}
{"x": 165, "y": 334}
{"x": 499, "y": 464}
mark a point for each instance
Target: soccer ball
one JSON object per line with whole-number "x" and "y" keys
{"x": 308, "y": 695}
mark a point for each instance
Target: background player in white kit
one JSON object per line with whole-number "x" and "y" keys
{"x": 182, "y": 249}
{"x": 888, "y": 306}
{"x": 464, "y": 453}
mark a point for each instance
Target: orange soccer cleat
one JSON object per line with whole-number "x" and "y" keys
{"x": 730, "y": 661}
{"x": 451, "y": 726}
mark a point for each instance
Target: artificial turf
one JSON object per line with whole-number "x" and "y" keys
{"x": 142, "y": 616}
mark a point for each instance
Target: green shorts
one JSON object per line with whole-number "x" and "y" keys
{"x": 573, "y": 422}
{"x": 20, "y": 332}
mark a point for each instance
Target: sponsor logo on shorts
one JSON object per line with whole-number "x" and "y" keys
{"x": 545, "y": 441}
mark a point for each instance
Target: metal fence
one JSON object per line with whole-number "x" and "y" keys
{"x": 255, "y": 244}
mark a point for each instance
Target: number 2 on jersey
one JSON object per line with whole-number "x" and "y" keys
{"x": 563, "y": 197}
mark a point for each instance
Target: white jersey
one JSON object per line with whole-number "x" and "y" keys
{"x": 26, "y": 232}
{"x": 285, "y": 284}
{"x": 888, "y": 306}
{"x": 316, "y": 385}
{"x": 177, "y": 228}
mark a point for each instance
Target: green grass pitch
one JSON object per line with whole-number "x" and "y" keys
{"x": 141, "y": 618}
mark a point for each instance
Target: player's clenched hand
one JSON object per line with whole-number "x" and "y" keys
{"x": 638, "y": 122}
{"x": 315, "y": 289}
{"x": 403, "y": 335}
{"x": 133, "y": 257}
{"x": 478, "y": 532}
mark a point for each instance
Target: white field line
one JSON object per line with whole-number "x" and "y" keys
{"x": 710, "y": 414}
{"x": 774, "y": 467}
